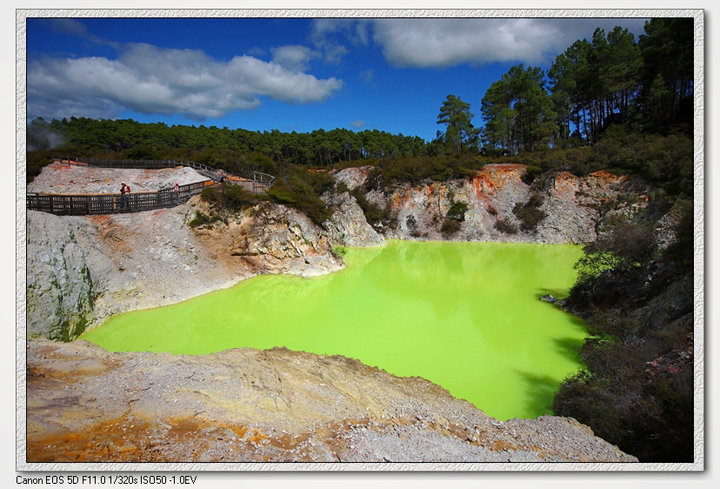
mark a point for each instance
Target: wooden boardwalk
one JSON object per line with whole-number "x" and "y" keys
{"x": 87, "y": 204}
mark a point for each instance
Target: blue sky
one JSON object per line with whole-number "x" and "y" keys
{"x": 287, "y": 74}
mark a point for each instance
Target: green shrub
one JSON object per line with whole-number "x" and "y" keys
{"x": 536, "y": 200}
{"x": 230, "y": 196}
{"x": 506, "y": 226}
{"x": 457, "y": 211}
{"x": 301, "y": 188}
{"x": 418, "y": 169}
{"x": 449, "y": 226}
{"x": 200, "y": 219}
{"x": 210, "y": 195}
{"x": 530, "y": 213}
{"x": 36, "y": 160}
{"x": 375, "y": 215}
{"x": 531, "y": 173}
{"x": 237, "y": 198}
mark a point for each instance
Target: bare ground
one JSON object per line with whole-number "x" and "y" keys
{"x": 87, "y": 405}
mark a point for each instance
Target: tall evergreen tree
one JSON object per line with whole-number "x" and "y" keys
{"x": 667, "y": 49}
{"x": 456, "y": 115}
{"x": 518, "y": 111}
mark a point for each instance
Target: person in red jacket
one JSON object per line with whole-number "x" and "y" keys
{"x": 124, "y": 191}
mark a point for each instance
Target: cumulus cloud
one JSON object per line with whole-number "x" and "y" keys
{"x": 442, "y": 42}
{"x": 294, "y": 57}
{"x": 358, "y": 123}
{"x": 154, "y": 80}
{"x": 446, "y": 42}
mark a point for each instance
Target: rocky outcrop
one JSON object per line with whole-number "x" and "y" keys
{"x": 87, "y": 405}
{"x": 81, "y": 270}
{"x": 573, "y": 206}
{"x": 67, "y": 269}
{"x": 271, "y": 238}
{"x": 59, "y": 178}
{"x": 348, "y": 225}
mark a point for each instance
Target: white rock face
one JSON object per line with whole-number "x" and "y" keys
{"x": 571, "y": 205}
{"x": 67, "y": 268}
{"x": 348, "y": 225}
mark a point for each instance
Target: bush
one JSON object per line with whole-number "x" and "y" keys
{"x": 438, "y": 168}
{"x": 530, "y": 213}
{"x": 506, "y": 226}
{"x": 36, "y": 160}
{"x": 457, "y": 211}
{"x": 301, "y": 188}
{"x": 628, "y": 245}
{"x": 230, "y": 196}
{"x": 449, "y": 226}
{"x": 374, "y": 214}
{"x": 531, "y": 173}
{"x": 201, "y": 219}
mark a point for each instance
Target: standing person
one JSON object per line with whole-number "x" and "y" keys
{"x": 125, "y": 190}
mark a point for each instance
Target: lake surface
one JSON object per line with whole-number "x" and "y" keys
{"x": 464, "y": 315}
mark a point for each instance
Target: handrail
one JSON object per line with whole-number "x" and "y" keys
{"x": 87, "y": 204}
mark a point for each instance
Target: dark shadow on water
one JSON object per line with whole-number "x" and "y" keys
{"x": 539, "y": 393}
{"x": 569, "y": 348}
{"x": 557, "y": 293}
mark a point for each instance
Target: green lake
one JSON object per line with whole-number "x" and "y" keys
{"x": 466, "y": 316}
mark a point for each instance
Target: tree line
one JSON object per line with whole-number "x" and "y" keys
{"x": 213, "y": 145}
{"x": 612, "y": 80}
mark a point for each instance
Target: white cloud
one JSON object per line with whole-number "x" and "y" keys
{"x": 154, "y": 80}
{"x": 447, "y": 42}
{"x": 294, "y": 57}
{"x": 442, "y": 42}
{"x": 358, "y": 123}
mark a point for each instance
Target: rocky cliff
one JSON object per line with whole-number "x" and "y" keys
{"x": 574, "y": 207}
{"x": 88, "y": 405}
{"x": 81, "y": 270}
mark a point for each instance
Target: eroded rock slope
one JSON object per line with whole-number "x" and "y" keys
{"x": 88, "y": 405}
{"x": 574, "y": 206}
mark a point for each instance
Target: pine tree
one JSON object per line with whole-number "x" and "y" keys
{"x": 456, "y": 115}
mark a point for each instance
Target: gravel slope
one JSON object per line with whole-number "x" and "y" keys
{"x": 85, "y": 404}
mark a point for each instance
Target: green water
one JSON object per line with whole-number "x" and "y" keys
{"x": 464, "y": 315}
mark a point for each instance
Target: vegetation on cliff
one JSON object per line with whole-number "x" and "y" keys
{"x": 637, "y": 388}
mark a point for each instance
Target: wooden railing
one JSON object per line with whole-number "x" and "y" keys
{"x": 86, "y": 204}
{"x": 261, "y": 181}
